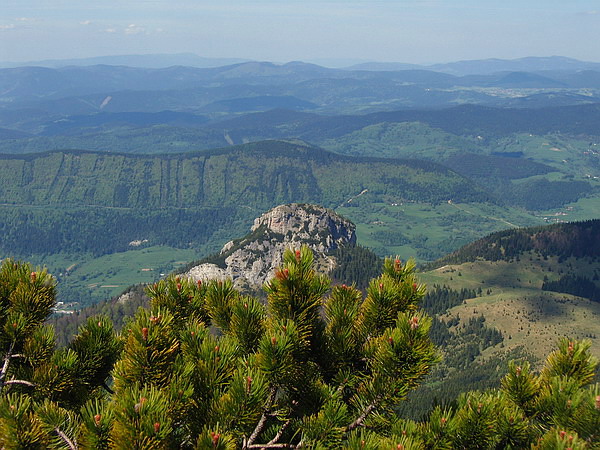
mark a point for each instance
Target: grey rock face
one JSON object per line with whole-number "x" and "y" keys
{"x": 253, "y": 259}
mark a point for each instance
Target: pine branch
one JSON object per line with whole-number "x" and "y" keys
{"x": 263, "y": 420}
{"x": 23, "y": 382}
{"x": 6, "y": 365}
{"x": 279, "y": 433}
{"x": 272, "y": 446}
{"x": 72, "y": 445}
{"x": 358, "y": 422}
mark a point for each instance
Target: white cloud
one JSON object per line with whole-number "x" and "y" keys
{"x": 134, "y": 29}
{"x": 7, "y": 27}
{"x": 85, "y": 22}
{"x": 110, "y": 30}
{"x": 26, "y": 19}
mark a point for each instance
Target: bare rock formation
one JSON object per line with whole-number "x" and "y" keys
{"x": 252, "y": 260}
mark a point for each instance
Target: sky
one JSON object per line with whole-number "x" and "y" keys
{"x": 413, "y": 31}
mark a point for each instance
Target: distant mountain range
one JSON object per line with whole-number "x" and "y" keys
{"x": 33, "y": 99}
{"x": 489, "y": 66}
{"x": 459, "y": 68}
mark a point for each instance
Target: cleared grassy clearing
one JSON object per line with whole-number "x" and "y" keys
{"x": 513, "y": 302}
{"x": 100, "y": 278}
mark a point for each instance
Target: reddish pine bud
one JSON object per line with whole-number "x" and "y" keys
{"x": 217, "y": 348}
{"x": 156, "y": 427}
{"x": 569, "y": 403}
{"x": 14, "y": 324}
{"x": 215, "y": 438}
{"x": 571, "y": 347}
{"x": 414, "y": 286}
{"x": 380, "y": 286}
{"x": 397, "y": 265}
{"x": 479, "y": 406}
{"x": 274, "y": 340}
{"x": 245, "y": 305}
{"x": 178, "y": 287}
{"x": 345, "y": 312}
{"x": 193, "y": 333}
{"x": 298, "y": 255}
{"x": 97, "y": 418}
{"x": 344, "y": 286}
{"x": 511, "y": 419}
{"x": 518, "y": 371}
{"x": 443, "y": 421}
{"x": 177, "y": 279}
{"x": 403, "y": 432}
{"x": 414, "y": 323}
{"x": 391, "y": 340}
{"x": 400, "y": 447}
{"x": 199, "y": 283}
{"x": 597, "y": 401}
{"x": 562, "y": 434}
{"x": 248, "y": 384}
{"x": 362, "y": 443}
{"x": 33, "y": 277}
{"x": 99, "y": 324}
{"x": 145, "y": 333}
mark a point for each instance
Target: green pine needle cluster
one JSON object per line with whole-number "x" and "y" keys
{"x": 206, "y": 367}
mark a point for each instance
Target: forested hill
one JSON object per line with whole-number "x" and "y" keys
{"x": 467, "y": 119}
{"x": 258, "y": 175}
{"x": 577, "y": 239}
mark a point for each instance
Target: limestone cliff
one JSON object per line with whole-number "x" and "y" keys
{"x": 252, "y": 260}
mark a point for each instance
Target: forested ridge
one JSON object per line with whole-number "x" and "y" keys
{"x": 259, "y": 175}
{"x": 577, "y": 239}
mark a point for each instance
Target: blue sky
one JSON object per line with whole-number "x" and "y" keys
{"x": 417, "y": 31}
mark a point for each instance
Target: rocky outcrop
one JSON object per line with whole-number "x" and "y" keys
{"x": 252, "y": 260}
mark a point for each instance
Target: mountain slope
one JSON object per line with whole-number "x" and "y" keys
{"x": 258, "y": 175}
{"x": 526, "y": 278}
{"x": 578, "y": 239}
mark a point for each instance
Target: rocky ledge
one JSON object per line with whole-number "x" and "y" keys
{"x": 252, "y": 260}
